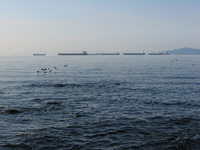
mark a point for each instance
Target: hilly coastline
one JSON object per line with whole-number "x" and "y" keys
{"x": 184, "y": 51}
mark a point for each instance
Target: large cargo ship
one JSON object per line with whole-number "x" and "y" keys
{"x": 39, "y": 54}
{"x": 134, "y": 53}
{"x": 93, "y": 54}
{"x": 83, "y": 53}
{"x": 159, "y": 53}
{"x": 108, "y": 53}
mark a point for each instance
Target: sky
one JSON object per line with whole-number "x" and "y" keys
{"x": 53, "y": 26}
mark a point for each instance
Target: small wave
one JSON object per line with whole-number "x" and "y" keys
{"x": 54, "y": 85}
{"x": 16, "y": 146}
{"x": 59, "y": 85}
{"x": 186, "y": 141}
{"x": 53, "y": 103}
{"x": 181, "y": 121}
{"x": 13, "y": 111}
{"x": 157, "y": 117}
{"x": 173, "y": 103}
{"x": 182, "y": 77}
{"x": 94, "y": 85}
{"x": 37, "y": 99}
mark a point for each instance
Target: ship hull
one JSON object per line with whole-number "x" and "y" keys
{"x": 39, "y": 54}
{"x": 158, "y": 54}
{"x": 72, "y": 54}
{"x": 133, "y": 53}
{"x": 108, "y": 53}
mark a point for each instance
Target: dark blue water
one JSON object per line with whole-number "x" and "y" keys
{"x": 100, "y": 102}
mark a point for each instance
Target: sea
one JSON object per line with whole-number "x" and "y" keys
{"x": 98, "y": 102}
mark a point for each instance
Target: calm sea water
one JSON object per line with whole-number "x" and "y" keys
{"x": 100, "y": 102}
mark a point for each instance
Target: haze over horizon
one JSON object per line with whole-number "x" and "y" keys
{"x": 53, "y": 26}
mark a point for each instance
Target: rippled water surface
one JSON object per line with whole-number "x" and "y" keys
{"x": 100, "y": 102}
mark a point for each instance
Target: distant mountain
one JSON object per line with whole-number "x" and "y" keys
{"x": 184, "y": 51}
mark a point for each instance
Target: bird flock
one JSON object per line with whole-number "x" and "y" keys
{"x": 46, "y": 70}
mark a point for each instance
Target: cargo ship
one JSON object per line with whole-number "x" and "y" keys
{"x": 134, "y": 53}
{"x": 83, "y": 53}
{"x": 159, "y": 53}
{"x": 39, "y": 54}
{"x": 108, "y": 53}
{"x": 93, "y": 54}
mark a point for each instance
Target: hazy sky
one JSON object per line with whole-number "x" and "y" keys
{"x": 52, "y": 26}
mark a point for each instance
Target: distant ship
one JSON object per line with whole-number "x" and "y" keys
{"x": 93, "y": 54}
{"x": 83, "y": 53}
{"x": 159, "y": 53}
{"x": 39, "y": 54}
{"x": 134, "y": 53}
{"x": 108, "y": 53}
